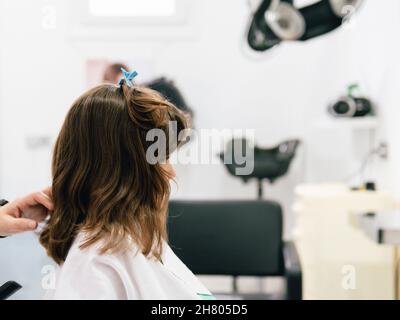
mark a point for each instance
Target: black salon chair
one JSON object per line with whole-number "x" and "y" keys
{"x": 235, "y": 238}
{"x": 269, "y": 163}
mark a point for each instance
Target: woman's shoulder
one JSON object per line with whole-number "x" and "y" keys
{"x": 93, "y": 253}
{"x": 89, "y": 274}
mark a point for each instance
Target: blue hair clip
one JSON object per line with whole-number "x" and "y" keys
{"x": 127, "y": 77}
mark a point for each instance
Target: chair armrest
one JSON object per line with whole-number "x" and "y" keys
{"x": 292, "y": 273}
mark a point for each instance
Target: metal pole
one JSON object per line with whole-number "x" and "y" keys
{"x": 260, "y": 189}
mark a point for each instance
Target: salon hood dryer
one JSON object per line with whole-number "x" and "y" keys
{"x": 274, "y": 21}
{"x": 269, "y": 164}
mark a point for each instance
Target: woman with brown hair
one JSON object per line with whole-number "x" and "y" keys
{"x": 108, "y": 229}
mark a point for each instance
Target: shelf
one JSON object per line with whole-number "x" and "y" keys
{"x": 365, "y": 123}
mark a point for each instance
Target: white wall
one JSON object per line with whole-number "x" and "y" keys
{"x": 280, "y": 95}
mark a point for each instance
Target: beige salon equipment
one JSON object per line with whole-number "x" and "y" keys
{"x": 384, "y": 228}
{"x": 338, "y": 260}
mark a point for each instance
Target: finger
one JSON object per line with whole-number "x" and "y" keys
{"x": 44, "y": 200}
{"x": 12, "y": 210}
{"x": 22, "y": 225}
{"x": 48, "y": 192}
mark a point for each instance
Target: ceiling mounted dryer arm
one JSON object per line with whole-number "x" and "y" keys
{"x": 279, "y": 20}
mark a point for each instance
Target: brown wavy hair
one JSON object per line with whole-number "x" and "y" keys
{"x": 102, "y": 183}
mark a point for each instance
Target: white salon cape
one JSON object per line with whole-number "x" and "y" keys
{"x": 124, "y": 276}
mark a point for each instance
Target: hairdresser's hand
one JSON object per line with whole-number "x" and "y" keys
{"x": 25, "y": 213}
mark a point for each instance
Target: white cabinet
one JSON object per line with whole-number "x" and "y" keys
{"x": 338, "y": 261}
